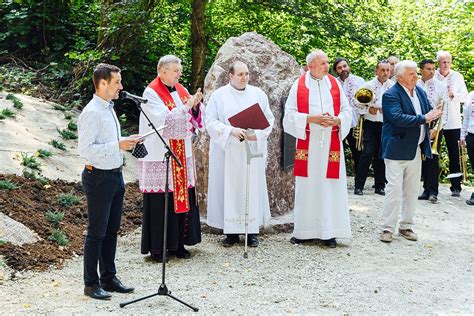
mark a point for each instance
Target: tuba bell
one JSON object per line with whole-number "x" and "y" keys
{"x": 363, "y": 97}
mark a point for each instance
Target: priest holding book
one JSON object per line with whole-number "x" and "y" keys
{"x": 318, "y": 115}
{"x": 237, "y": 102}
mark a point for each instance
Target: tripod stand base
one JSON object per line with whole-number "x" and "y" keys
{"x": 162, "y": 291}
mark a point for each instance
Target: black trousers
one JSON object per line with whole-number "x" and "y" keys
{"x": 104, "y": 191}
{"x": 371, "y": 153}
{"x": 470, "y": 153}
{"x": 430, "y": 172}
{"x": 350, "y": 142}
{"x": 451, "y": 137}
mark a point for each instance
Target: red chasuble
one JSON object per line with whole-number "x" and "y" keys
{"x": 180, "y": 175}
{"x": 301, "y": 156}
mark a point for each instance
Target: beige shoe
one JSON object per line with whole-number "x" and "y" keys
{"x": 386, "y": 236}
{"x": 408, "y": 234}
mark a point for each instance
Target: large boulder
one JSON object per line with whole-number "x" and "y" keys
{"x": 274, "y": 71}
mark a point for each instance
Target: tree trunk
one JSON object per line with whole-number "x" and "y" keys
{"x": 199, "y": 44}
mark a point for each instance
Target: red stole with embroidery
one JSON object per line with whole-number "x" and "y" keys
{"x": 180, "y": 175}
{"x": 301, "y": 156}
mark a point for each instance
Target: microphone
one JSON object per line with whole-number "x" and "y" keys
{"x": 126, "y": 95}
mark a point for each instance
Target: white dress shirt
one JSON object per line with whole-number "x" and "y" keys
{"x": 437, "y": 92}
{"x": 350, "y": 86}
{"x": 468, "y": 116}
{"x": 417, "y": 105}
{"x": 379, "y": 89}
{"x": 455, "y": 83}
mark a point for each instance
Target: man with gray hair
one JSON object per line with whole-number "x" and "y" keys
{"x": 392, "y": 60}
{"x": 457, "y": 93}
{"x": 318, "y": 114}
{"x": 406, "y": 112}
{"x": 170, "y": 104}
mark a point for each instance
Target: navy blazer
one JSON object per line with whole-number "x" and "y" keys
{"x": 401, "y": 125}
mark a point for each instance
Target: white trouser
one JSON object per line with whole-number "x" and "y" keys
{"x": 403, "y": 178}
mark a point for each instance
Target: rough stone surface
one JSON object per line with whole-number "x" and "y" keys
{"x": 273, "y": 71}
{"x": 15, "y": 232}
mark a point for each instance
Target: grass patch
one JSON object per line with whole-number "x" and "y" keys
{"x": 68, "y": 199}
{"x": 57, "y": 144}
{"x": 43, "y": 153}
{"x": 5, "y": 113}
{"x": 59, "y": 237}
{"x": 68, "y": 116}
{"x": 59, "y": 107}
{"x": 67, "y": 134}
{"x": 72, "y": 126}
{"x": 54, "y": 217}
{"x": 33, "y": 176}
{"x": 30, "y": 161}
{"x": 17, "y": 104}
{"x": 2, "y": 242}
{"x": 7, "y": 185}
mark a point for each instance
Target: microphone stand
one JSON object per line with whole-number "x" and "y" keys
{"x": 163, "y": 289}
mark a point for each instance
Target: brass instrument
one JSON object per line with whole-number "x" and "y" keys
{"x": 363, "y": 96}
{"x": 434, "y": 146}
{"x": 463, "y": 160}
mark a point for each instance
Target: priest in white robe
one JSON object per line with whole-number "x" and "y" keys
{"x": 226, "y": 201}
{"x": 318, "y": 114}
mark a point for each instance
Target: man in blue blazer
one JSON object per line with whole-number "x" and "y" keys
{"x": 405, "y": 137}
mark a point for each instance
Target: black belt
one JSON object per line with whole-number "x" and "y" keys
{"x": 117, "y": 170}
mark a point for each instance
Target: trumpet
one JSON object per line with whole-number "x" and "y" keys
{"x": 434, "y": 146}
{"x": 363, "y": 96}
{"x": 463, "y": 160}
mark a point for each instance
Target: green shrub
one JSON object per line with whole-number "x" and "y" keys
{"x": 30, "y": 161}
{"x": 7, "y": 185}
{"x": 67, "y": 116}
{"x": 7, "y": 113}
{"x": 54, "y": 217}
{"x": 57, "y": 144}
{"x": 33, "y": 176}
{"x": 43, "y": 153}
{"x": 72, "y": 126}
{"x": 67, "y": 134}
{"x": 59, "y": 237}
{"x": 68, "y": 199}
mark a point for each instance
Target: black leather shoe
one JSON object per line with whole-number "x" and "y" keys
{"x": 380, "y": 191}
{"x": 158, "y": 257}
{"x": 230, "y": 239}
{"x": 358, "y": 192}
{"x": 296, "y": 241}
{"x": 252, "y": 240}
{"x": 456, "y": 193}
{"x": 181, "y": 253}
{"x": 115, "y": 285}
{"x": 95, "y": 291}
{"x": 331, "y": 243}
{"x": 470, "y": 202}
{"x": 424, "y": 196}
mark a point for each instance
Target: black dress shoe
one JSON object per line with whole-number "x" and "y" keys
{"x": 230, "y": 239}
{"x": 158, "y": 257}
{"x": 456, "y": 193}
{"x": 115, "y": 285}
{"x": 380, "y": 191}
{"x": 424, "y": 196}
{"x": 181, "y": 253}
{"x": 252, "y": 240}
{"x": 95, "y": 291}
{"x": 331, "y": 243}
{"x": 296, "y": 241}
{"x": 358, "y": 192}
{"x": 470, "y": 202}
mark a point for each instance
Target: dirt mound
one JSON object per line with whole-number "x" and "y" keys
{"x": 29, "y": 203}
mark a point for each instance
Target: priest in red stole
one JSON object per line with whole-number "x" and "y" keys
{"x": 318, "y": 115}
{"x": 170, "y": 104}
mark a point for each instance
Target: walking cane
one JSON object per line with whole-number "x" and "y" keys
{"x": 250, "y": 156}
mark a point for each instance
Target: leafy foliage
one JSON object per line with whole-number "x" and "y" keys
{"x": 57, "y": 144}
{"x": 54, "y": 217}
{"x": 67, "y": 134}
{"x": 59, "y": 237}
{"x": 68, "y": 199}
{"x": 43, "y": 153}
{"x": 7, "y": 185}
{"x": 30, "y": 161}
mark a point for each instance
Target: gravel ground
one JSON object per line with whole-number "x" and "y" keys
{"x": 361, "y": 276}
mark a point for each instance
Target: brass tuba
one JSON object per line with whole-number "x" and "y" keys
{"x": 434, "y": 146}
{"x": 363, "y": 97}
{"x": 463, "y": 160}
